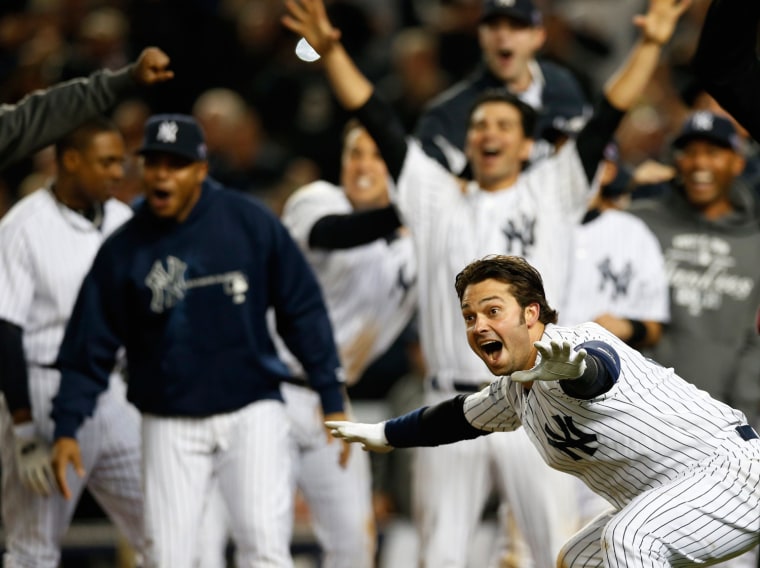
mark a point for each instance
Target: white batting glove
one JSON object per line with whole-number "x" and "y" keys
{"x": 33, "y": 459}
{"x": 370, "y": 436}
{"x": 558, "y": 362}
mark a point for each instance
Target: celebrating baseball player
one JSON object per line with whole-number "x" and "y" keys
{"x": 185, "y": 287}
{"x": 505, "y": 209}
{"x": 680, "y": 469}
{"x": 49, "y": 241}
{"x": 44, "y": 116}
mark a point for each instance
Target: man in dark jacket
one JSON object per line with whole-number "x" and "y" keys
{"x": 510, "y": 35}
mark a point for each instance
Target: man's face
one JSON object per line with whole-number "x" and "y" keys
{"x": 172, "y": 184}
{"x": 707, "y": 171}
{"x": 496, "y": 144}
{"x": 98, "y": 168}
{"x": 364, "y": 175}
{"x": 508, "y": 46}
{"x": 498, "y": 329}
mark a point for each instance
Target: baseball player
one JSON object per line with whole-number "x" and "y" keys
{"x": 618, "y": 278}
{"x": 49, "y": 241}
{"x": 681, "y": 469}
{"x": 43, "y": 117}
{"x": 510, "y": 34}
{"x": 367, "y": 272}
{"x": 504, "y": 209}
{"x": 185, "y": 287}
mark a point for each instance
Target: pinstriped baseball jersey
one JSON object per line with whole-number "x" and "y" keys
{"x": 617, "y": 268}
{"x": 649, "y": 429}
{"x": 47, "y": 249}
{"x": 533, "y": 218}
{"x": 370, "y": 290}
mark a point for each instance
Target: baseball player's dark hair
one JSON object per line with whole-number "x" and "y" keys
{"x": 525, "y": 282}
{"x": 80, "y": 137}
{"x": 528, "y": 115}
{"x": 351, "y": 124}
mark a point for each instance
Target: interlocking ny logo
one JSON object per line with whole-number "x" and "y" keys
{"x": 167, "y": 132}
{"x": 167, "y": 285}
{"x": 570, "y": 439}
{"x": 522, "y": 232}
{"x": 619, "y": 281}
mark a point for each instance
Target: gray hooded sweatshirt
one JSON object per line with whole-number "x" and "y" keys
{"x": 714, "y": 275}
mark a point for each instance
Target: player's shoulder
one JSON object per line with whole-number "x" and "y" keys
{"x": 461, "y": 94}
{"x": 319, "y": 190}
{"x": 29, "y": 210}
{"x": 558, "y": 76}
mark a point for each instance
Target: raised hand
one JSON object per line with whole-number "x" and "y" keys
{"x": 308, "y": 19}
{"x": 152, "y": 66}
{"x": 660, "y": 21}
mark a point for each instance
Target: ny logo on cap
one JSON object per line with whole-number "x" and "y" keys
{"x": 167, "y": 132}
{"x": 702, "y": 121}
{"x": 505, "y": 2}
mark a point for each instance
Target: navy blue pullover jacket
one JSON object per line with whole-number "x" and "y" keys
{"x": 188, "y": 301}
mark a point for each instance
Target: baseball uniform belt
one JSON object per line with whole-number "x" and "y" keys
{"x": 747, "y": 432}
{"x": 457, "y": 385}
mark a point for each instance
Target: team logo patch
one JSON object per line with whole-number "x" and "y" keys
{"x": 168, "y": 285}
{"x": 570, "y": 438}
{"x": 167, "y": 132}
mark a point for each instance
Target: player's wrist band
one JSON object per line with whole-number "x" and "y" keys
{"x": 639, "y": 332}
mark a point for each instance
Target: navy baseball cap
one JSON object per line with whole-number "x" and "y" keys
{"x": 177, "y": 134}
{"x": 705, "y": 125}
{"x": 521, "y": 10}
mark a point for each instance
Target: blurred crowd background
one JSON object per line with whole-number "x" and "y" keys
{"x": 271, "y": 121}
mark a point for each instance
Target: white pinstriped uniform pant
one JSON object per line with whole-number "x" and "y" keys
{"x": 110, "y": 447}
{"x": 710, "y": 513}
{"x": 246, "y": 451}
{"x": 340, "y": 499}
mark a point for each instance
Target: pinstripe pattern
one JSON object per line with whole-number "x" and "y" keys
{"x": 245, "y": 453}
{"x": 370, "y": 290}
{"x": 618, "y": 268}
{"x": 451, "y": 228}
{"x": 46, "y": 251}
{"x": 685, "y": 486}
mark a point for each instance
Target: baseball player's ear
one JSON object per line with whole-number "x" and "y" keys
{"x": 525, "y": 149}
{"x": 70, "y": 159}
{"x": 532, "y": 312}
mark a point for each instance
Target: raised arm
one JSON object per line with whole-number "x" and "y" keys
{"x": 726, "y": 61}
{"x": 353, "y": 90}
{"x": 623, "y": 90}
{"x": 42, "y": 117}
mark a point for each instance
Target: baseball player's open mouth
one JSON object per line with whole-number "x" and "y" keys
{"x": 491, "y": 347}
{"x": 505, "y": 54}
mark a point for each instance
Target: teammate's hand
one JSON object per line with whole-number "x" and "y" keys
{"x": 33, "y": 459}
{"x": 65, "y": 451}
{"x": 370, "y": 436}
{"x": 152, "y": 66}
{"x": 345, "y": 451}
{"x": 659, "y": 23}
{"x": 308, "y": 18}
{"x": 558, "y": 362}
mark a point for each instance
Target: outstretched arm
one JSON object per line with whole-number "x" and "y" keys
{"x": 44, "y": 116}
{"x": 726, "y": 62}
